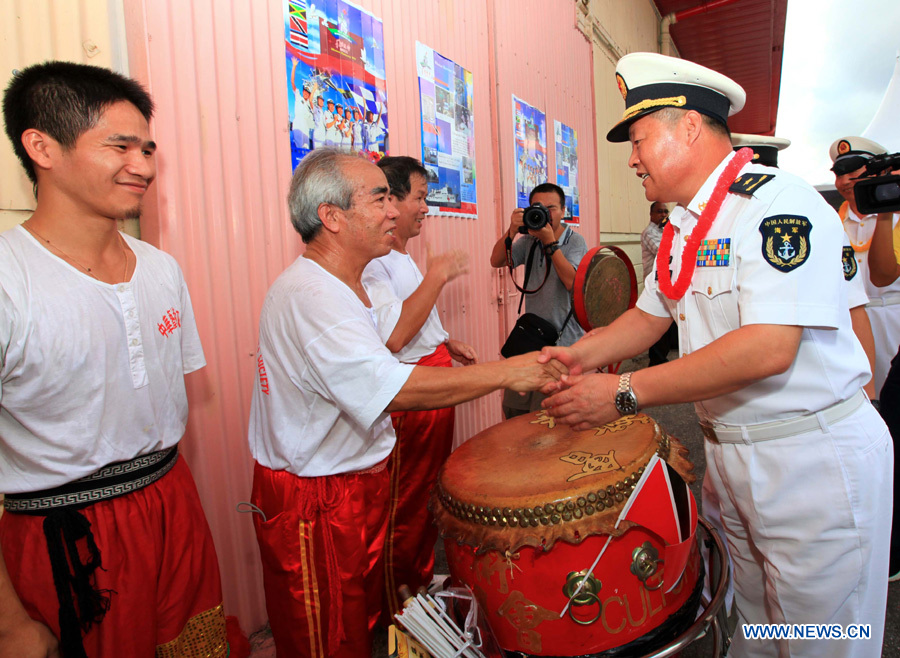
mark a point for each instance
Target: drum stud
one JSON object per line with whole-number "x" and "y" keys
{"x": 601, "y": 494}
{"x": 533, "y": 522}
{"x": 611, "y": 490}
{"x": 592, "y": 497}
{"x": 502, "y": 522}
{"x": 548, "y": 508}
{"x": 589, "y": 510}
{"x": 513, "y": 521}
{"x": 577, "y": 513}
{"x": 628, "y": 481}
{"x": 507, "y": 512}
{"x": 560, "y": 506}
{"x": 539, "y": 511}
{"x": 620, "y": 485}
{"x": 545, "y": 520}
{"x": 555, "y": 519}
{"x": 619, "y": 498}
{"x": 526, "y": 511}
{"x": 570, "y": 505}
{"x": 567, "y": 515}
{"x": 497, "y": 512}
{"x": 581, "y": 502}
{"x": 492, "y": 520}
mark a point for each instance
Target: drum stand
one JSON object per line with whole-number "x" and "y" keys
{"x": 713, "y": 617}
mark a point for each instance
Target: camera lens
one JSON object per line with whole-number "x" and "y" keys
{"x": 535, "y": 217}
{"x": 887, "y": 192}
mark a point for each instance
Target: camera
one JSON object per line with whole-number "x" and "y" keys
{"x": 877, "y": 190}
{"x": 535, "y": 218}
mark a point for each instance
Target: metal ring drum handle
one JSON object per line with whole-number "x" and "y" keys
{"x": 713, "y": 614}
{"x": 587, "y": 595}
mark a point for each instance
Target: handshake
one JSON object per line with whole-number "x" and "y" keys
{"x": 574, "y": 398}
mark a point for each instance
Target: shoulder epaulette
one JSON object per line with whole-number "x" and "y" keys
{"x": 749, "y": 183}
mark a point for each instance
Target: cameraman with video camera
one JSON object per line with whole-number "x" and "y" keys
{"x": 850, "y": 156}
{"x": 875, "y": 192}
{"x": 544, "y": 239}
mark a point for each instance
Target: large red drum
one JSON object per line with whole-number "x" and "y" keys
{"x": 527, "y": 505}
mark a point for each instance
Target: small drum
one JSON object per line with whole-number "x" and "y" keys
{"x": 526, "y": 506}
{"x": 605, "y": 287}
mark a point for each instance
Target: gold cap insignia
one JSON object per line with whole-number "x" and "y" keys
{"x": 843, "y": 147}
{"x": 623, "y": 88}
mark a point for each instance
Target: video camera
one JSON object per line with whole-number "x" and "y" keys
{"x": 877, "y": 190}
{"x": 535, "y": 218}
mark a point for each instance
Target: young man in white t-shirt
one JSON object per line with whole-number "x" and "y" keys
{"x": 408, "y": 322}
{"x": 106, "y": 546}
{"x": 320, "y": 429}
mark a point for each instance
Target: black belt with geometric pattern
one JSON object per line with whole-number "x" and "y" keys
{"x": 110, "y": 481}
{"x": 81, "y": 603}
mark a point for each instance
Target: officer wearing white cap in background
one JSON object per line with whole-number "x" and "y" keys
{"x": 765, "y": 152}
{"x": 849, "y": 155}
{"x": 765, "y": 148}
{"x": 799, "y": 459}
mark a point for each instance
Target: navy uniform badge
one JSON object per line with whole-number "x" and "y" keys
{"x": 785, "y": 241}
{"x": 848, "y": 259}
{"x": 749, "y": 183}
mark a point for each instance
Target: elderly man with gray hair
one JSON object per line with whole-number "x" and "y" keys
{"x": 320, "y": 429}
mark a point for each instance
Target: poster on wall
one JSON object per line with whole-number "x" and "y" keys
{"x": 448, "y": 133}
{"x": 530, "y": 139}
{"x": 567, "y": 169}
{"x": 334, "y": 54}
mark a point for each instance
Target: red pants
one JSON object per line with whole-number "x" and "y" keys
{"x": 321, "y": 547}
{"x": 424, "y": 440}
{"x": 159, "y": 560}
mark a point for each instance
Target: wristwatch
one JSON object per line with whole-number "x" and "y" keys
{"x": 626, "y": 402}
{"x": 551, "y": 248}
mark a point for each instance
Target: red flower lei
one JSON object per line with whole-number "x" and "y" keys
{"x": 707, "y": 217}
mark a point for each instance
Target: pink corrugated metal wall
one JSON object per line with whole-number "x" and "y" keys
{"x": 216, "y": 70}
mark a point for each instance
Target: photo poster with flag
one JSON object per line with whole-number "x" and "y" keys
{"x": 448, "y": 133}
{"x": 337, "y": 96}
{"x": 567, "y": 169}
{"x": 530, "y": 140}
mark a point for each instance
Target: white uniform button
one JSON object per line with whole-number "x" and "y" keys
{"x": 134, "y": 342}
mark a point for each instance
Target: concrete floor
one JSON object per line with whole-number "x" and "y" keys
{"x": 679, "y": 421}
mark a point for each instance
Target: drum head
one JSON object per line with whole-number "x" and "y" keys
{"x": 530, "y": 481}
{"x": 605, "y": 287}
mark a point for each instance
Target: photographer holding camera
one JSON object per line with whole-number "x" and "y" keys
{"x": 544, "y": 238}
{"x": 884, "y": 270}
{"x": 850, "y": 156}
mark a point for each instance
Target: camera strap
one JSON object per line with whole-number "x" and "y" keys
{"x": 528, "y": 265}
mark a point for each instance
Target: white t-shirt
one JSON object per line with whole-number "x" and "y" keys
{"x": 389, "y": 280}
{"x": 90, "y": 373}
{"x": 745, "y": 288}
{"x": 324, "y": 378}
